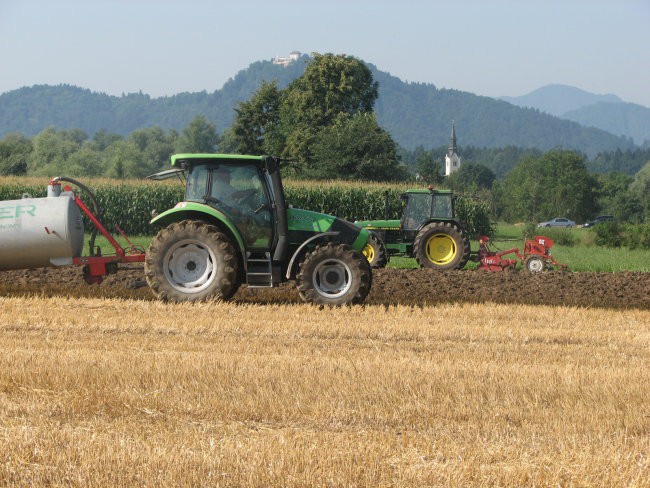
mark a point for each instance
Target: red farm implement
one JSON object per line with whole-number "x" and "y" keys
{"x": 96, "y": 266}
{"x": 49, "y": 231}
{"x": 535, "y": 258}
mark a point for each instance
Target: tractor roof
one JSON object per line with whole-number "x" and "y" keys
{"x": 194, "y": 158}
{"x": 425, "y": 190}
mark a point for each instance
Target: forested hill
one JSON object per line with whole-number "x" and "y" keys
{"x": 414, "y": 113}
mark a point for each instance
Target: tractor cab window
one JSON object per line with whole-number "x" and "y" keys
{"x": 441, "y": 207}
{"x": 239, "y": 192}
{"x": 197, "y": 184}
{"x": 416, "y": 211}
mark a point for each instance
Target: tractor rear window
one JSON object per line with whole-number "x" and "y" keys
{"x": 441, "y": 207}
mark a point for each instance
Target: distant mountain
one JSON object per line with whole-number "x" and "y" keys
{"x": 414, "y": 113}
{"x": 622, "y": 119}
{"x": 606, "y": 112}
{"x": 559, "y": 99}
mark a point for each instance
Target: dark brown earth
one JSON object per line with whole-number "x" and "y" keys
{"x": 390, "y": 286}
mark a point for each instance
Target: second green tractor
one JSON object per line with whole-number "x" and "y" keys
{"x": 428, "y": 231}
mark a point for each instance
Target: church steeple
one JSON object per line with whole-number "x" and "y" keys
{"x": 452, "y": 140}
{"x": 452, "y": 159}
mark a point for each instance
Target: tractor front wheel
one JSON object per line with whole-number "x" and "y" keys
{"x": 375, "y": 252}
{"x": 441, "y": 245}
{"x": 334, "y": 274}
{"x": 534, "y": 264}
{"x": 191, "y": 260}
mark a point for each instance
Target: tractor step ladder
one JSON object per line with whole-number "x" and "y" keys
{"x": 259, "y": 270}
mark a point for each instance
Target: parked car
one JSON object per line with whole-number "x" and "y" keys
{"x": 557, "y": 222}
{"x": 599, "y": 220}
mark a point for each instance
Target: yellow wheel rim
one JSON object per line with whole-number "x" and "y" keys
{"x": 441, "y": 249}
{"x": 369, "y": 252}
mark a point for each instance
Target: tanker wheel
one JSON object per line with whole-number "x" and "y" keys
{"x": 441, "y": 245}
{"x": 534, "y": 264}
{"x": 191, "y": 260}
{"x": 375, "y": 252}
{"x": 334, "y": 274}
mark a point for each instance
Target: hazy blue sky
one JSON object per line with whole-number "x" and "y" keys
{"x": 493, "y": 48}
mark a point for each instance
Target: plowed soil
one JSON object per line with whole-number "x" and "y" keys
{"x": 390, "y": 286}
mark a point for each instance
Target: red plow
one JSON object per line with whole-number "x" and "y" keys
{"x": 535, "y": 258}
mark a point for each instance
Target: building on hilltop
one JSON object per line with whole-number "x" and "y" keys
{"x": 452, "y": 159}
{"x": 286, "y": 61}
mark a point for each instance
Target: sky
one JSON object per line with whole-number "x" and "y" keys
{"x": 488, "y": 47}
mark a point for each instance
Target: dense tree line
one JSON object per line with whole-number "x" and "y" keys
{"x": 72, "y": 153}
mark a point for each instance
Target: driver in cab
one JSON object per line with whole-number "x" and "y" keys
{"x": 222, "y": 190}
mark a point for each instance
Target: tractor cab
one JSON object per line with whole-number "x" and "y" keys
{"x": 241, "y": 191}
{"x": 423, "y": 206}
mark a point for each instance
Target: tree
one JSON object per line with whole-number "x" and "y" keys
{"x": 200, "y": 136}
{"x": 102, "y": 139}
{"x": 554, "y": 185}
{"x": 15, "y": 150}
{"x": 616, "y": 198}
{"x": 52, "y": 149}
{"x": 641, "y": 188}
{"x": 124, "y": 159}
{"x": 331, "y": 85}
{"x": 255, "y": 129}
{"x": 426, "y": 167}
{"x": 471, "y": 177}
{"x": 355, "y": 147}
{"x": 155, "y": 146}
{"x": 85, "y": 162}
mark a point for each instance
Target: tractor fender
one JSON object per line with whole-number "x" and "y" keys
{"x": 299, "y": 251}
{"x": 199, "y": 211}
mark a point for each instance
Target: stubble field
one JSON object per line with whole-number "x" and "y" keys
{"x": 104, "y": 386}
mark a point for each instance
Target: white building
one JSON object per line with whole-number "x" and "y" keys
{"x": 286, "y": 61}
{"x": 452, "y": 159}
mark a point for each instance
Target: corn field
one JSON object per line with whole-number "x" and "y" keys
{"x": 129, "y": 204}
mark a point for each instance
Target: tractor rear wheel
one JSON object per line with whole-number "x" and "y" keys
{"x": 375, "y": 252}
{"x": 441, "y": 245}
{"x": 534, "y": 264}
{"x": 192, "y": 260}
{"x": 334, "y": 274}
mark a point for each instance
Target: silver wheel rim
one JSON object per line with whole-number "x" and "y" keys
{"x": 332, "y": 278}
{"x": 190, "y": 266}
{"x": 535, "y": 266}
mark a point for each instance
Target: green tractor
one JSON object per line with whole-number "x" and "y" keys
{"x": 235, "y": 228}
{"x": 428, "y": 231}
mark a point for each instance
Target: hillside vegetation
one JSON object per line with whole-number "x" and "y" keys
{"x": 413, "y": 113}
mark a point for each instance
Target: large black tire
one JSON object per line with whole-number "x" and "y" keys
{"x": 192, "y": 260}
{"x": 442, "y": 246}
{"x": 334, "y": 274}
{"x": 375, "y": 252}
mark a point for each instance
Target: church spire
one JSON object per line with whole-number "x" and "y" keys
{"x": 452, "y": 140}
{"x": 452, "y": 159}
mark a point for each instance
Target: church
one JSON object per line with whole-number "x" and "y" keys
{"x": 452, "y": 159}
